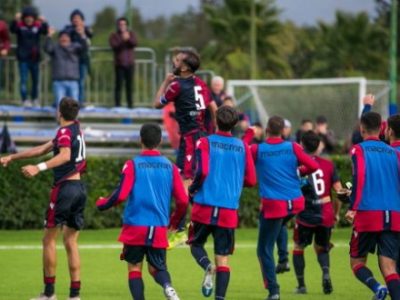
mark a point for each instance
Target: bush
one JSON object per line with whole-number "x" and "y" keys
{"x": 23, "y": 201}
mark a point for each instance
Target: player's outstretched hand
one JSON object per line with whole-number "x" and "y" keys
{"x": 100, "y": 203}
{"x": 369, "y": 99}
{"x": 30, "y": 171}
{"x": 350, "y": 214}
{"x": 6, "y": 160}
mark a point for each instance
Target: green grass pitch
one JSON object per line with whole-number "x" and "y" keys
{"x": 104, "y": 276}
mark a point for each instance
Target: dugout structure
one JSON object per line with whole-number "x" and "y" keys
{"x": 339, "y": 99}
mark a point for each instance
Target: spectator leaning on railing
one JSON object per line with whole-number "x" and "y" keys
{"x": 123, "y": 42}
{"x": 64, "y": 64}
{"x": 80, "y": 33}
{"x": 29, "y": 27}
{"x": 4, "y": 43}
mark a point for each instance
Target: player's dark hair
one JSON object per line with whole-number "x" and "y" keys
{"x": 227, "y": 118}
{"x": 68, "y": 108}
{"x": 150, "y": 135}
{"x": 275, "y": 125}
{"x": 304, "y": 121}
{"x": 122, "y": 19}
{"x": 371, "y": 122}
{"x": 310, "y": 141}
{"x": 394, "y": 124}
{"x": 192, "y": 59}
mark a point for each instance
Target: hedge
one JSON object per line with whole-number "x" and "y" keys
{"x": 23, "y": 201}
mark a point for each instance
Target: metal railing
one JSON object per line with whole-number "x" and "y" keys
{"x": 99, "y": 82}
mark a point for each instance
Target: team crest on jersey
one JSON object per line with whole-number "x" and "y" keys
{"x": 189, "y": 157}
{"x": 52, "y": 206}
{"x": 63, "y": 131}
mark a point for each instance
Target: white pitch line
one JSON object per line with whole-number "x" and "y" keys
{"x": 341, "y": 244}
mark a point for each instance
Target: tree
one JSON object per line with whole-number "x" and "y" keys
{"x": 8, "y": 8}
{"x": 353, "y": 45}
{"x": 230, "y": 22}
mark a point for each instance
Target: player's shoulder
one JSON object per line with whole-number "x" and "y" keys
{"x": 325, "y": 163}
{"x": 198, "y": 81}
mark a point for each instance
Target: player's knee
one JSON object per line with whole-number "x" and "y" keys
{"x": 48, "y": 240}
{"x": 221, "y": 261}
{"x": 70, "y": 243}
{"x": 298, "y": 247}
{"x": 387, "y": 266}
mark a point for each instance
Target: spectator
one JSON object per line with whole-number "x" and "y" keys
{"x": 287, "y": 131}
{"x": 327, "y": 136}
{"x": 64, "y": 64}
{"x": 29, "y": 27}
{"x": 81, "y": 34}
{"x": 4, "y": 43}
{"x": 217, "y": 90}
{"x": 306, "y": 125}
{"x": 244, "y": 121}
{"x": 123, "y": 42}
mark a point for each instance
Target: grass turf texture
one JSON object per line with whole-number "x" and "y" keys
{"x": 104, "y": 276}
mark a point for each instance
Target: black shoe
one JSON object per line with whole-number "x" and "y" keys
{"x": 300, "y": 290}
{"x": 282, "y": 268}
{"x": 327, "y": 285}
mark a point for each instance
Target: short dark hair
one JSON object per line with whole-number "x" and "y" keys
{"x": 257, "y": 124}
{"x": 394, "y": 124}
{"x": 68, "y": 108}
{"x": 192, "y": 59}
{"x": 227, "y": 118}
{"x": 304, "y": 121}
{"x": 122, "y": 19}
{"x": 321, "y": 120}
{"x": 150, "y": 135}
{"x": 371, "y": 122}
{"x": 275, "y": 125}
{"x": 310, "y": 141}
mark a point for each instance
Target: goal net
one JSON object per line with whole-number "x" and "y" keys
{"x": 338, "y": 99}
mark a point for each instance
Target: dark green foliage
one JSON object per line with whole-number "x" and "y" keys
{"x": 23, "y": 202}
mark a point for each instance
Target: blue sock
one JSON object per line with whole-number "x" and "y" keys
{"x": 222, "y": 282}
{"x": 201, "y": 256}
{"x": 393, "y": 284}
{"x": 162, "y": 278}
{"x": 365, "y": 276}
{"x": 136, "y": 285}
{"x": 299, "y": 266}
{"x": 49, "y": 286}
{"x": 323, "y": 260}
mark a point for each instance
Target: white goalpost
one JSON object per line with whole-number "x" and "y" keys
{"x": 339, "y": 99}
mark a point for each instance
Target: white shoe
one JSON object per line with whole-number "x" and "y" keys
{"x": 170, "y": 293}
{"x": 74, "y": 298}
{"x": 207, "y": 285}
{"x": 35, "y": 103}
{"x": 27, "y": 103}
{"x": 44, "y": 297}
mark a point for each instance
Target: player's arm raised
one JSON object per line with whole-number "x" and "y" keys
{"x": 307, "y": 164}
{"x": 162, "y": 96}
{"x": 123, "y": 189}
{"x": 250, "y": 178}
{"x": 61, "y": 158}
{"x": 202, "y": 168}
{"x": 30, "y": 153}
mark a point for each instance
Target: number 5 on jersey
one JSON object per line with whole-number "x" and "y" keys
{"x": 200, "y": 104}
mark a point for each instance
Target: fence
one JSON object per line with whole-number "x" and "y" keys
{"x": 99, "y": 83}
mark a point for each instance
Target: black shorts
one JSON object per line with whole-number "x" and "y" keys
{"x": 224, "y": 238}
{"x": 186, "y": 159}
{"x": 387, "y": 242}
{"x": 67, "y": 204}
{"x": 156, "y": 257}
{"x": 304, "y": 236}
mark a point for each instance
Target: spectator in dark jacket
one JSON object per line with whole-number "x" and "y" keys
{"x": 64, "y": 65}
{"x": 29, "y": 27}
{"x": 123, "y": 42}
{"x": 80, "y": 33}
{"x": 327, "y": 136}
{"x": 4, "y": 44}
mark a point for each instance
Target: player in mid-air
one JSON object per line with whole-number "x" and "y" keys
{"x": 375, "y": 208}
{"x": 316, "y": 221}
{"x": 148, "y": 181}
{"x": 67, "y": 198}
{"x": 277, "y": 162}
{"x": 191, "y": 97}
{"x": 224, "y": 166}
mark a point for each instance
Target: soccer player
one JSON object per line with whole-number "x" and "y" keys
{"x": 191, "y": 97}
{"x": 277, "y": 163}
{"x": 316, "y": 221}
{"x": 67, "y": 198}
{"x": 224, "y": 166}
{"x": 148, "y": 181}
{"x": 375, "y": 208}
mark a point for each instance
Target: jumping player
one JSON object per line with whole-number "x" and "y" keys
{"x": 224, "y": 166}
{"x": 148, "y": 181}
{"x": 316, "y": 221}
{"x": 277, "y": 163}
{"x": 375, "y": 208}
{"x": 67, "y": 198}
